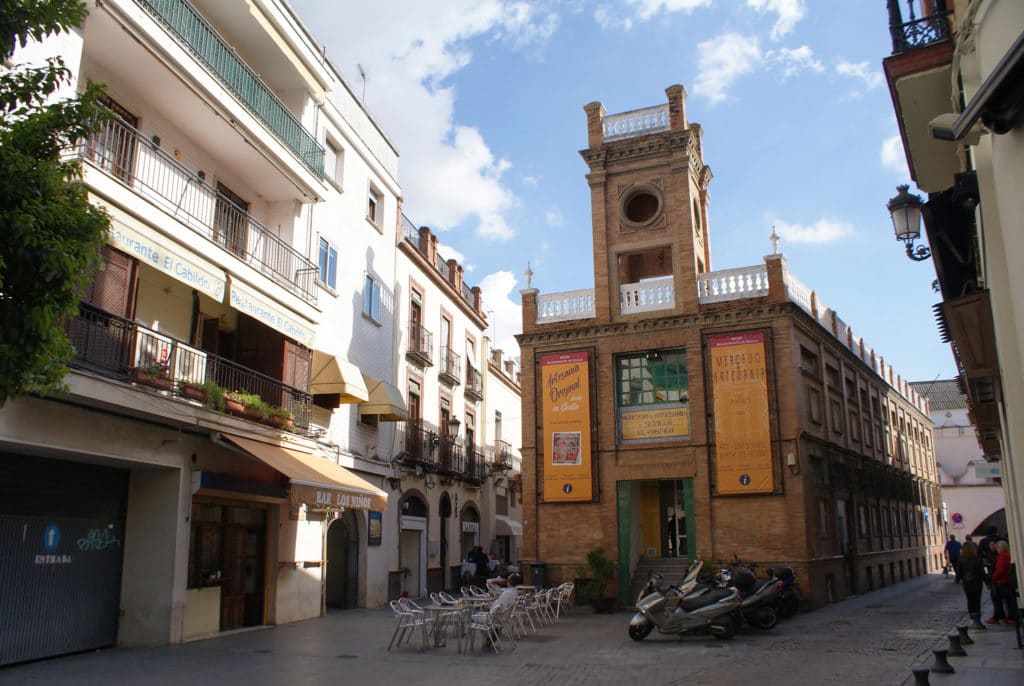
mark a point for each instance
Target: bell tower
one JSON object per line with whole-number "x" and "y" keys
{"x": 648, "y": 198}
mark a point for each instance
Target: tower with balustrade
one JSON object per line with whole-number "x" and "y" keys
{"x": 672, "y": 412}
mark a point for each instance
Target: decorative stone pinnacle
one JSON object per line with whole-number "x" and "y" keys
{"x": 529, "y": 275}
{"x": 774, "y": 238}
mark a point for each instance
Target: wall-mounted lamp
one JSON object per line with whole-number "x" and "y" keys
{"x": 905, "y": 209}
{"x": 155, "y": 140}
{"x": 201, "y": 174}
{"x": 652, "y": 355}
{"x": 395, "y": 482}
{"x": 499, "y": 481}
{"x": 792, "y": 463}
{"x": 453, "y": 424}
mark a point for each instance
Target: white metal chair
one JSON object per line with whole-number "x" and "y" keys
{"x": 495, "y": 623}
{"x": 408, "y": 623}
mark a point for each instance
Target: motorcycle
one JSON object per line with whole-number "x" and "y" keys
{"x": 671, "y": 611}
{"x": 760, "y": 606}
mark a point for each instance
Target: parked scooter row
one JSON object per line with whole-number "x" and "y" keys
{"x": 716, "y": 604}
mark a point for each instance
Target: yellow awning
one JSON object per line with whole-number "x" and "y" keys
{"x": 315, "y": 481}
{"x": 385, "y": 401}
{"x": 331, "y": 375}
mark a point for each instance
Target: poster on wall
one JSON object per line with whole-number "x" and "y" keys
{"x": 743, "y": 449}
{"x": 565, "y": 386}
{"x": 374, "y": 534}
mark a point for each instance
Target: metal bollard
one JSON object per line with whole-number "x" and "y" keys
{"x": 920, "y": 676}
{"x": 955, "y": 649}
{"x": 941, "y": 665}
{"x": 965, "y": 638}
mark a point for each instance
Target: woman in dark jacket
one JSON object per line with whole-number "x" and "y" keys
{"x": 972, "y": 574}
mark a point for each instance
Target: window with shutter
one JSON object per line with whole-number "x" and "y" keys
{"x": 112, "y": 288}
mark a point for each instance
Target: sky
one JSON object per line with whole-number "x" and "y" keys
{"x": 484, "y": 100}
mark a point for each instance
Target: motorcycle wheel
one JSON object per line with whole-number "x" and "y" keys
{"x": 639, "y": 633}
{"x": 766, "y": 618}
{"x": 725, "y": 627}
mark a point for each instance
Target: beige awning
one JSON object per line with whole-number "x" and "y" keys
{"x": 506, "y": 526}
{"x": 315, "y": 481}
{"x": 334, "y": 376}
{"x": 385, "y": 401}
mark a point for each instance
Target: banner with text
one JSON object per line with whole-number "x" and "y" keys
{"x": 565, "y": 385}
{"x": 743, "y": 445}
{"x": 265, "y": 310}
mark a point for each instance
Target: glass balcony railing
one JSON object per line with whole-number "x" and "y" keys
{"x": 207, "y": 45}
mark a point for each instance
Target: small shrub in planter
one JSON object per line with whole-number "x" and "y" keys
{"x": 594, "y": 578}
{"x": 280, "y": 417}
{"x": 215, "y": 396}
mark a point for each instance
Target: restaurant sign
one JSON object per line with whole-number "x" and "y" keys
{"x": 262, "y": 309}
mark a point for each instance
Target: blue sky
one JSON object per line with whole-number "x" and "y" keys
{"x": 484, "y": 99}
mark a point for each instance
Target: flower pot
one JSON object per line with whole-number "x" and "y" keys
{"x": 235, "y": 407}
{"x": 143, "y": 377}
{"x": 194, "y": 392}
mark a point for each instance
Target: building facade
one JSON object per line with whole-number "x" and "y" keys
{"x": 674, "y": 411}
{"x": 953, "y": 76}
{"x": 972, "y": 498}
{"x": 228, "y": 452}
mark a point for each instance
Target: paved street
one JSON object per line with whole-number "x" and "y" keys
{"x": 874, "y": 639}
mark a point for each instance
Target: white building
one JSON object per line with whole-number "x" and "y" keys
{"x": 973, "y": 499}
{"x": 254, "y": 207}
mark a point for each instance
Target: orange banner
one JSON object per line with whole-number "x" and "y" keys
{"x": 743, "y": 448}
{"x": 565, "y": 385}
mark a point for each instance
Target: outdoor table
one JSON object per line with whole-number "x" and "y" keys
{"x": 442, "y": 615}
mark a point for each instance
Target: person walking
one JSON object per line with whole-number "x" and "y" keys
{"x": 1002, "y": 586}
{"x": 953, "y": 547}
{"x": 972, "y": 573}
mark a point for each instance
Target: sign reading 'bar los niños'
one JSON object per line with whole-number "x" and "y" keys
{"x": 743, "y": 449}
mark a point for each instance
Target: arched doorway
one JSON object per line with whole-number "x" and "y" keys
{"x": 342, "y": 590}
{"x": 412, "y": 546}
{"x": 444, "y": 511}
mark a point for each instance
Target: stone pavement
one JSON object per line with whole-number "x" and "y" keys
{"x": 872, "y": 639}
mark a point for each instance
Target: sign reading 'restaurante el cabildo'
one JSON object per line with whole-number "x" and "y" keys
{"x": 565, "y": 387}
{"x": 743, "y": 449}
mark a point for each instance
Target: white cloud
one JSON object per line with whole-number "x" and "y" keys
{"x": 870, "y": 76}
{"x": 613, "y": 16}
{"x": 554, "y": 218}
{"x": 447, "y": 252}
{"x": 722, "y": 60}
{"x": 449, "y": 175}
{"x": 504, "y": 313}
{"x": 531, "y": 181}
{"x": 822, "y": 231}
{"x": 792, "y": 61}
{"x": 893, "y": 156}
{"x": 789, "y": 12}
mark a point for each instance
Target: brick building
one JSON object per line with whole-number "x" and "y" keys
{"x": 674, "y": 411}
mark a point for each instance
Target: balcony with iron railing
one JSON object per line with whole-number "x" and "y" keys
{"x": 917, "y": 32}
{"x": 421, "y": 346}
{"x": 125, "y": 154}
{"x": 117, "y": 348}
{"x": 502, "y": 460}
{"x": 428, "y": 450}
{"x": 474, "y": 389}
{"x": 202, "y": 40}
{"x": 450, "y": 371}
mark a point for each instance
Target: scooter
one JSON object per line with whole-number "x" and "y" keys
{"x": 671, "y": 612}
{"x": 760, "y": 606}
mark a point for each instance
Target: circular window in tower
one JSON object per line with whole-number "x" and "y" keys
{"x": 641, "y": 206}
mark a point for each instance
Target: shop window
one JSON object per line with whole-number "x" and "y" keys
{"x": 651, "y": 378}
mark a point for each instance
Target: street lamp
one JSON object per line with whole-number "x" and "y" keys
{"x": 906, "y": 222}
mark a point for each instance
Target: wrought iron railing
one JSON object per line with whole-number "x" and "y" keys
{"x": 115, "y": 347}
{"x": 442, "y": 266}
{"x": 469, "y": 296}
{"x": 502, "y": 455}
{"x": 421, "y": 344}
{"x": 451, "y": 366}
{"x": 474, "y": 383}
{"x": 210, "y": 48}
{"x": 411, "y": 233}
{"x": 917, "y": 33}
{"x": 426, "y": 448}
{"x": 124, "y": 153}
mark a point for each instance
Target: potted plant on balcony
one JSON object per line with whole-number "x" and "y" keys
{"x": 592, "y": 581}
{"x": 234, "y": 402}
{"x": 192, "y": 390}
{"x": 154, "y": 374}
{"x": 280, "y": 417}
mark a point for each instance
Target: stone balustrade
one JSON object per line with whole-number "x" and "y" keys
{"x": 635, "y": 123}
{"x": 560, "y": 307}
{"x": 647, "y": 296}
{"x": 732, "y": 284}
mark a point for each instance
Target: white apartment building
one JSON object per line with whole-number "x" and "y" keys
{"x": 973, "y": 500}
{"x": 254, "y": 208}
{"x": 449, "y": 455}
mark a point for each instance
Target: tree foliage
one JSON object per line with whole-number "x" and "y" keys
{"x": 50, "y": 235}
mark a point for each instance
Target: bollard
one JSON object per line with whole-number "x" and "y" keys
{"x": 920, "y": 676}
{"x": 965, "y": 638}
{"x": 941, "y": 665}
{"x": 955, "y": 649}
